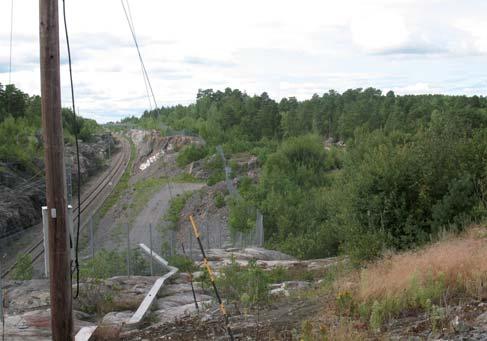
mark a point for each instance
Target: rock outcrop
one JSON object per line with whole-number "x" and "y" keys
{"x": 22, "y": 192}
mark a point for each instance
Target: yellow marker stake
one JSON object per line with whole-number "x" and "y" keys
{"x": 212, "y": 277}
{"x": 195, "y": 228}
{"x": 210, "y": 272}
{"x": 222, "y": 308}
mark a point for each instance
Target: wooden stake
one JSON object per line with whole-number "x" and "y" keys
{"x": 59, "y": 252}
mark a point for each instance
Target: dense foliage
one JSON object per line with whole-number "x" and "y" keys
{"x": 20, "y": 127}
{"x": 359, "y": 171}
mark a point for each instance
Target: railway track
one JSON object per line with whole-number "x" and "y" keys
{"x": 100, "y": 188}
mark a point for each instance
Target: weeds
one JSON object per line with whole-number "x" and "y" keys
{"x": 247, "y": 287}
{"x": 23, "y": 268}
{"x": 219, "y": 200}
{"x": 107, "y": 264}
{"x": 176, "y": 205}
{"x": 122, "y": 185}
{"x": 419, "y": 281}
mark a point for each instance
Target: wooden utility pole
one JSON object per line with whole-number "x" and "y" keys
{"x": 59, "y": 252}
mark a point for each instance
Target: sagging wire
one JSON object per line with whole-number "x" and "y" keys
{"x": 75, "y": 130}
{"x": 128, "y": 17}
{"x": 132, "y": 31}
{"x": 131, "y": 24}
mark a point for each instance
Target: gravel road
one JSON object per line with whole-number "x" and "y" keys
{"x": 111, "y": 232}
{"x": 153, "y": 212}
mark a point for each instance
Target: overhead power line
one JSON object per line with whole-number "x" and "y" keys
{"x": 144, "y": 70}
{"x": 128, "y": 16}
{"x": 131, "y": 23}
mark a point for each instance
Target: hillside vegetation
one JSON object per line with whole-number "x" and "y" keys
{"x": 413, "y": 166}
{"x": 20, "y": 128}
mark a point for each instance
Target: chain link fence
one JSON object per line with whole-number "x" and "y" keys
{"x": 254, "y": 237}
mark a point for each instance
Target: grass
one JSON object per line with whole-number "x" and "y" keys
{"x": 428, "y": 281}
{"x": 176, "y": 205}
{"x": 143, "y": 191}
{"x": 122, "y": 185}
{"x": 186, "y": 178}
{"x": 458, "y": 262}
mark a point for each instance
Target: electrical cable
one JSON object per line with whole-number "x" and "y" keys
{"x": 75, "y": 129}
{"x": 128, "y": 16}
{"x": 138, "y": 52}
{"x": 131, "y": 23}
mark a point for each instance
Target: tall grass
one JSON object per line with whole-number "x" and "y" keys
{"x": 426, "y": 280}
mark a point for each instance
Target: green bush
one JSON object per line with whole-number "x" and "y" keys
{"x": 176, "y": 205}
{"x": 191, "y": 153}
{"x": 219, "y": 200}
{"x": 215, "y": 168}
{"x": 108, "y": 264}
{"x": 247, "y": 286}
{"x": 23, "y": 269}
{"x": 242, "y": 215}
{"x": 183, "y": 263}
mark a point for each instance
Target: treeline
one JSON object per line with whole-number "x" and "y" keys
{"x": 20, "y": 127}
{"x": 233, "y": 115}
{"x": 413, "y": 166}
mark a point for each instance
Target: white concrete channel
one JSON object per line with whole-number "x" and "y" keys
{"x": 86, "y": 333}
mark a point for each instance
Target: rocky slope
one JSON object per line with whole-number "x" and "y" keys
{"x": 22, "y": 193}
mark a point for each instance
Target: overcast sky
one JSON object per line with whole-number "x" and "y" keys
{"x": 286, "y": 48}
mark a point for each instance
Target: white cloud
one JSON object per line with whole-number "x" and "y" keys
{"x": 376, "y": 29}
{"x": 282, "y": 47}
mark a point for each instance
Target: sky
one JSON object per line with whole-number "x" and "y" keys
{"x": 283, "y": 47}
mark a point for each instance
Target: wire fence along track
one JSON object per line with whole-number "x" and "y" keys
{"x": 37, "y": 249}
{"x": 254, "y": 236}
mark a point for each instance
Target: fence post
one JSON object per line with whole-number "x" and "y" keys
{"x": 260, "y": 228}
{"x": 45, "y": 232}
{"x": 69, "y": 182}
{"x": 128, "y": 250}
{"x": 220, "y": 239}
{"x": 92, "y": 239}
{"x": 1, "y": 299}
{"x": 190, "y": 243}
{"x": 151, "y": 259}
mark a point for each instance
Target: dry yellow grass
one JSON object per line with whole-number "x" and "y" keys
{"x": 460, "y": 262}
{"x": 427, "y": 280}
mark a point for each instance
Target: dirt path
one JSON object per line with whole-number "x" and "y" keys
{"x": 153, "y": 212}
{"x": 111, "y": 232}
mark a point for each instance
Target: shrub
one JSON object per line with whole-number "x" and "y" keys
{"x": 23, "y": 268}
{"x": 191, "y": 153}
{"x": 183, "y": 263}
{"x": 219, "y": 200}
{"x": 242, "y": 215}
{"x": 247, "y": 286}
{"x": 107, "y": 264}
{"x": 215, "y": 168}
{"x": 176, "y": 205}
